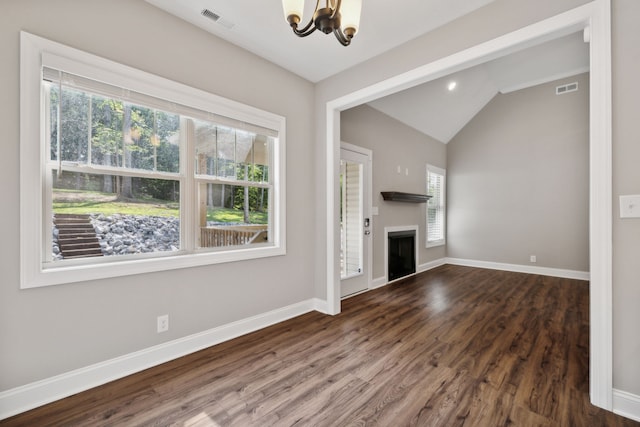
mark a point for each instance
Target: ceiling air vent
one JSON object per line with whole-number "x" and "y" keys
{"x": 217, "y": 18}
{"x": 570, "y": 87}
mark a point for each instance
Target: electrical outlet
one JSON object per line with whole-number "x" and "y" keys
{"x": 532, "y": 258}
{"x": 163, "y": 323}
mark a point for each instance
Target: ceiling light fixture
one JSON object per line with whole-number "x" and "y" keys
{"x": 452, "y": 85}
{"x": 340, "y": 17}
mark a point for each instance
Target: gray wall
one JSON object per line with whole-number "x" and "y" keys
{"x": 518, "y": 180}
{"x": 394, "y": 144}
{"x": 498, "y": 18}
{"x": 48, "y": 331}
{"x": 626, "y": 180}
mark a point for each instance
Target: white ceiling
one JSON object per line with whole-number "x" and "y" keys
{"x": 434, "y": 110}
{"x": 259, "y": 27}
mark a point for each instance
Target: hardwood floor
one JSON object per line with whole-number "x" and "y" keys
{"x": 450, "y": 347}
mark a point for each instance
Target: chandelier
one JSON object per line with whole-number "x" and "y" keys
{"x": 340, "y": 17}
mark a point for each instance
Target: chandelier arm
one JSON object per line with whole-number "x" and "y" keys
{"x": 305, "y": 31}
{"x": 344, "y": 41}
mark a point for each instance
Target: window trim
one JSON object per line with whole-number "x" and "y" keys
{"x": 36, "y": 52}
{"x": 443, "y": 241}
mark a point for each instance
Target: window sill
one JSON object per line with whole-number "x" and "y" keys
{"x": 56, "y": 274}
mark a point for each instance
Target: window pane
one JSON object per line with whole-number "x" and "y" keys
{"x": 262, "y": 146}
{"x": 230, "y": 153}
{"x": 108, "y": 132}
{"x": 134, "y": 137}
{"x": 351, "y": 237}
{"x": 91, "y": 217}
{"x": 435, "y": 207}
{"x": 69, "y": 119}
{"x": 233, "y": 215}
{"x": 206, "y": 147}
{"x": 226, "y": 152}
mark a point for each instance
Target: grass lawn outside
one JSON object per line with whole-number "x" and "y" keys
{"x": 235, "y": 216}
{"x": 87, "y": 202}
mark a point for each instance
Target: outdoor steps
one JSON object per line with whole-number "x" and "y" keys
{"x": 76, "y": 236}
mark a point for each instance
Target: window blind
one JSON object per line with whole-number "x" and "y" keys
{"x": 435, "y": 205}
{"x": 84, "y": 84}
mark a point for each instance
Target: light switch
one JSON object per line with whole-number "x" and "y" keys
{"x": 630, "y": 206}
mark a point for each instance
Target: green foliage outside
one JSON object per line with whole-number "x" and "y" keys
{"x": 235, "y": 216}
{"x": 93, "y": 202}
{"x": 101, "y": 131}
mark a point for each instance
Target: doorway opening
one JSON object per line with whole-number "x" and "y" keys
{"x": 595, "y": 19}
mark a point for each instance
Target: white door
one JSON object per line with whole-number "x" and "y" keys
{"x": 355, "y": 222}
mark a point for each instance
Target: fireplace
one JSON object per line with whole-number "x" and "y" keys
{"x": 401, "y": 253}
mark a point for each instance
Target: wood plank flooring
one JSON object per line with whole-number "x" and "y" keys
{"x": 452, "y": 346}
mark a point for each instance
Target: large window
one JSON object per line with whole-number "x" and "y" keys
{"x": 436, "y": 212}
{"x": 125, "y": 172}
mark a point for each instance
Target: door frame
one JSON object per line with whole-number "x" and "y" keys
{"x": 594, "y": 19}
{"x": 366, "y": 210}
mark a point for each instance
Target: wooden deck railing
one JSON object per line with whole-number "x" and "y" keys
{"x": 215, "y": 236}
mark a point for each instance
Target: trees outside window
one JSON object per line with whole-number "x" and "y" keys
{"x": 136, "y": 167}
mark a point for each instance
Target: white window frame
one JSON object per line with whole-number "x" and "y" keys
{"x": 37, "y": 52}
{"x": 443, "y": 173}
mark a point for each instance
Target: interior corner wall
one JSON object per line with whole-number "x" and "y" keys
{"x": 394, "y": 145}
{"x": 518, "y": 180}
{"x": 53, "y": 330}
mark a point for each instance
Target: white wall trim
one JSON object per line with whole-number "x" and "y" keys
{"x": 519, "y": 268}
{"x": 320, "y": 306}
{"x": 29, "y": 396}
{"x": 379, "y": 282}
{"x": 626, "y": 404}
{"x": 596, "y": 16}
{"x": 431, "y": 264}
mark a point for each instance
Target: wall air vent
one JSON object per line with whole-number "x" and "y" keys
{"x": 570, "y": 87}
{"x": 217, "y": 18}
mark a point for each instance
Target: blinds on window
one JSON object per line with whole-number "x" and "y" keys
{"x": 351, "y": 217}
{"x": 84, "y": 84}
{"x": 436, "y": 205}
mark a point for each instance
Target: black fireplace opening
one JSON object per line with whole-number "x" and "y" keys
{"x": 402, "y": 256}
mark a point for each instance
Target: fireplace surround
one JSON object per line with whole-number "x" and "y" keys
{"x": 401, "y": 251}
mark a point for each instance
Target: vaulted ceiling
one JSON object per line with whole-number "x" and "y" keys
{"x": 441, "y": 113}
{"x": 433, "y": 109}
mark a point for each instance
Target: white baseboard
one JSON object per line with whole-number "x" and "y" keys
{"x": 378, "y": 283}
{"x": 29, "y": 396}
{"x": 544, "y": 271}
{"x": 382, "y": 281}
{"x": 431, "y": 264}
{"x": 320, "y": 305}
{"x": 626, "y": 404}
